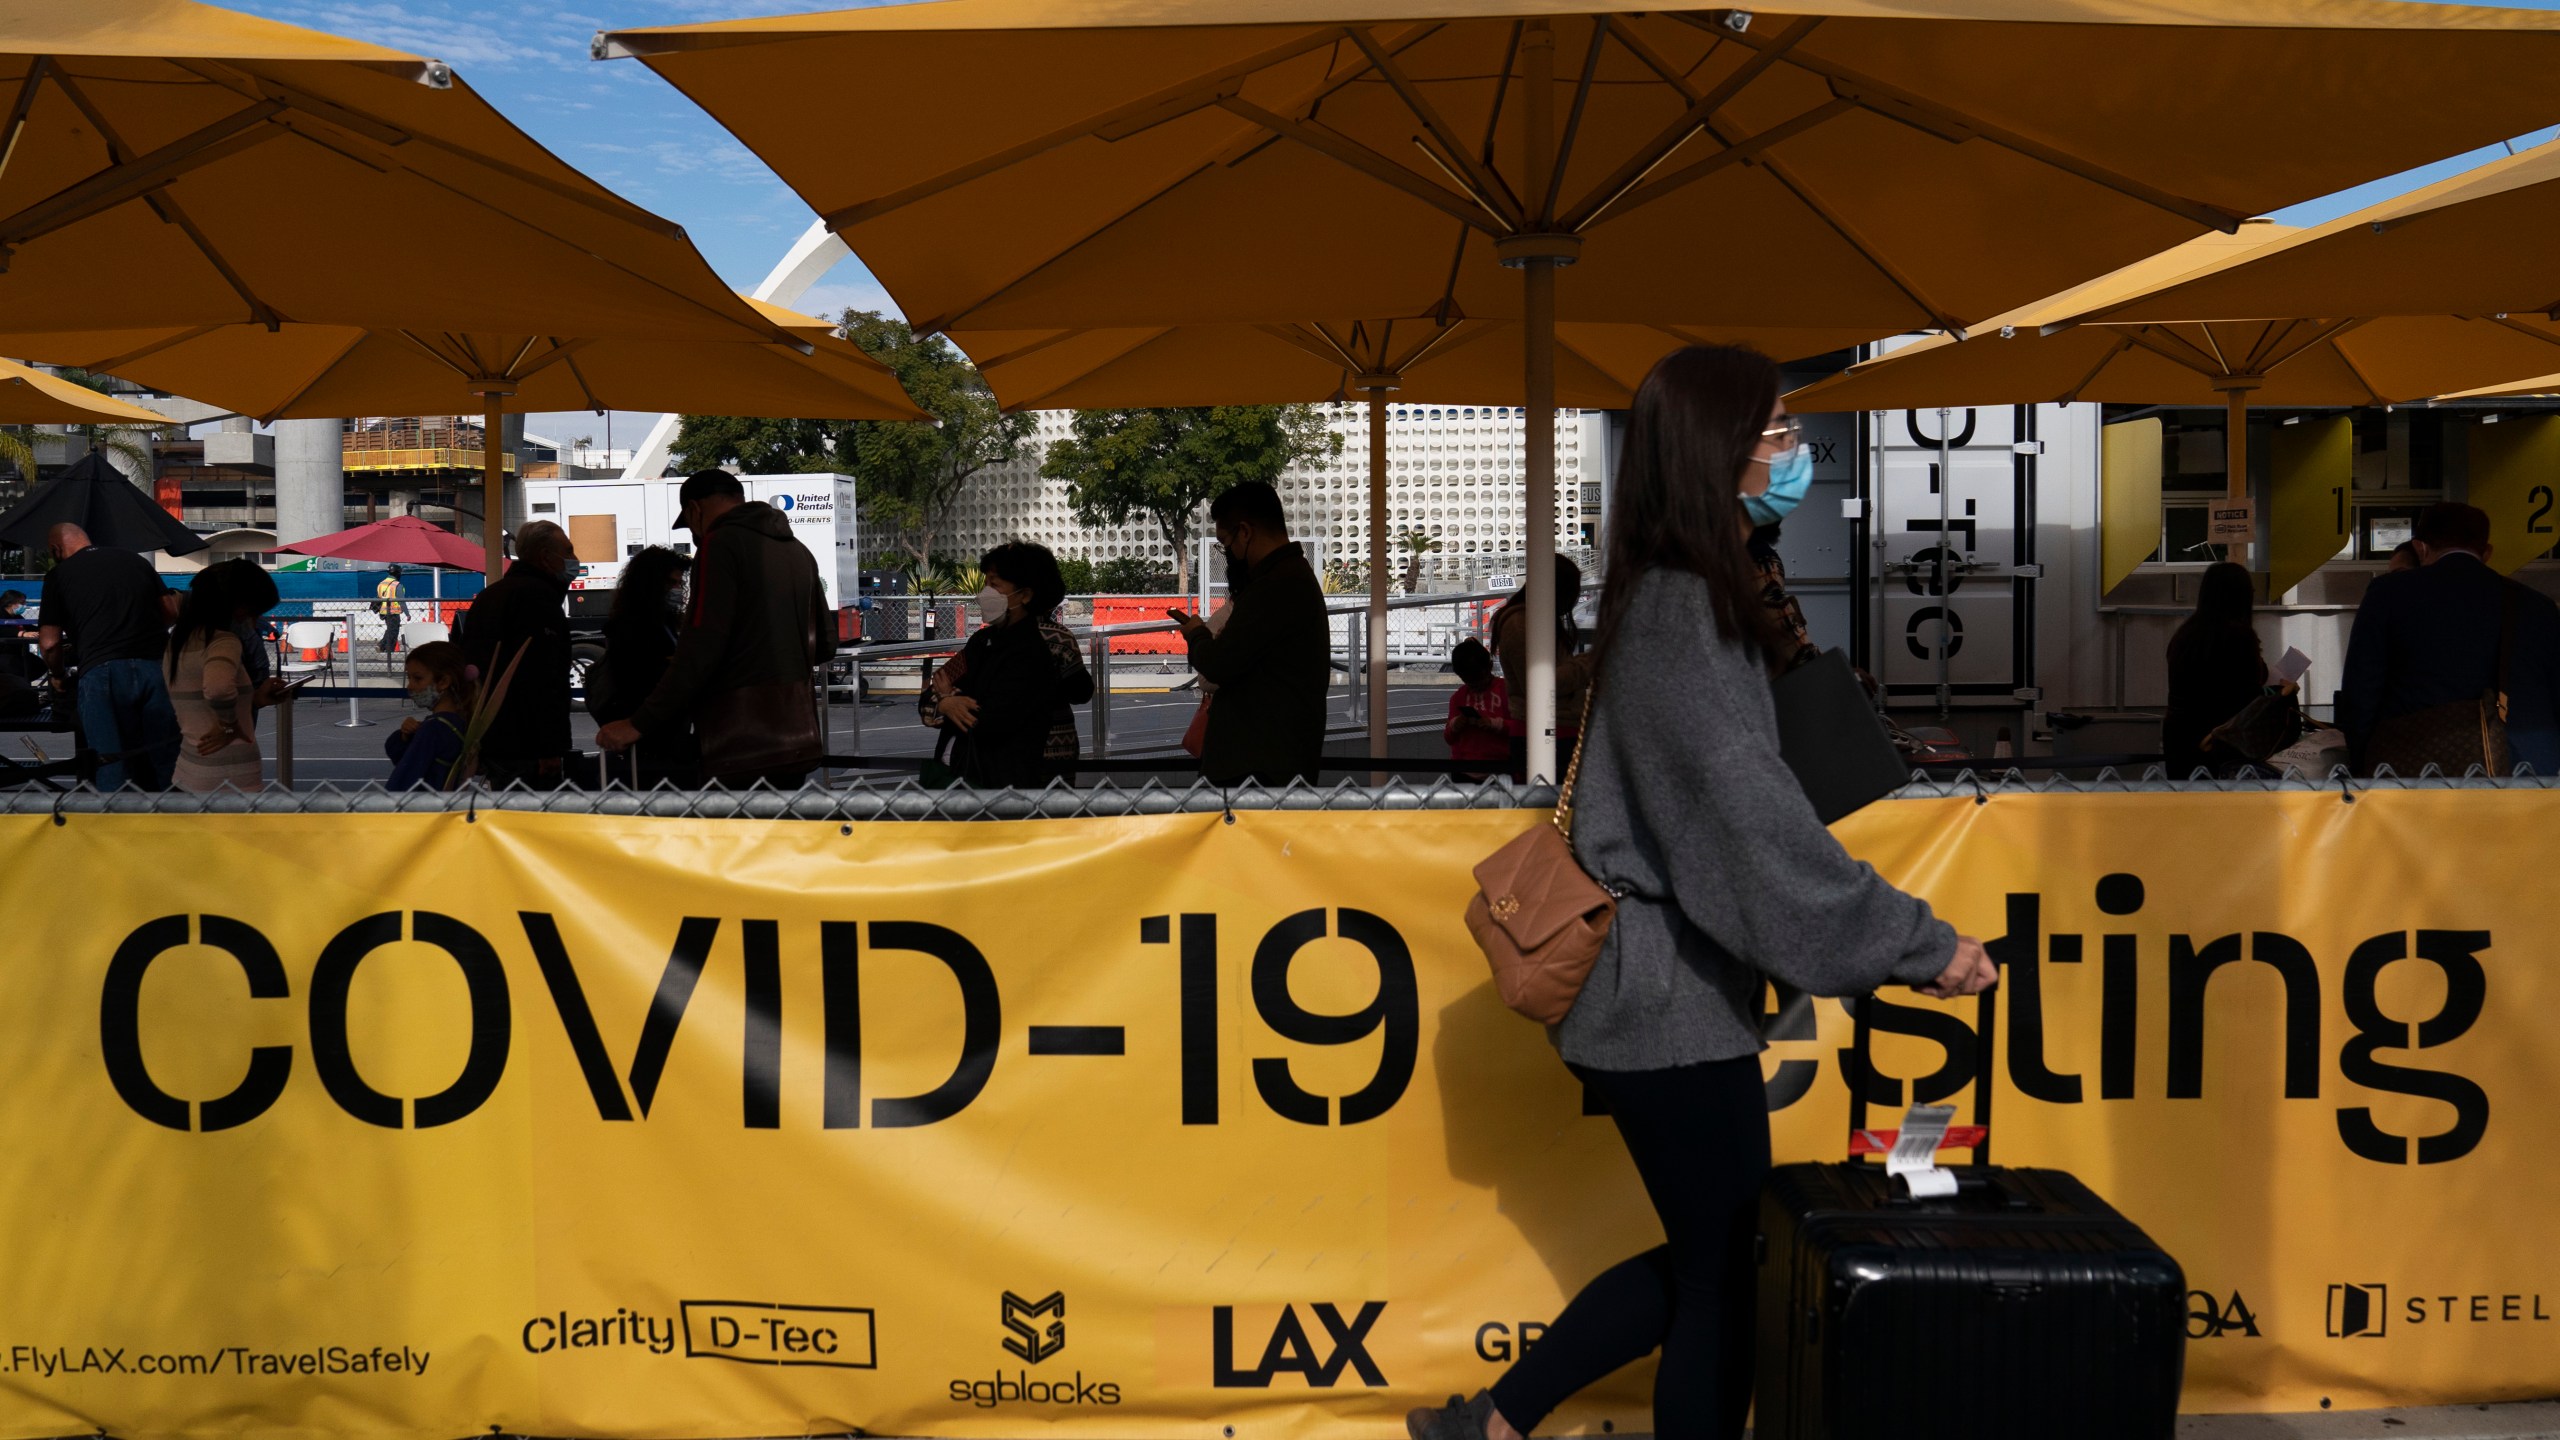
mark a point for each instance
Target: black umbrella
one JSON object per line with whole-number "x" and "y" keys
{"x": 97, "y": 497}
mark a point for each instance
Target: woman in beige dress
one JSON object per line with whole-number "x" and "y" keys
{"x": 209, "y": 683}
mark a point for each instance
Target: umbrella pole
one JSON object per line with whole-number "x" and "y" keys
{"x": 2235, "y": 434}
{"x": 1536, "y": 253}
{"x": 1377, "y": 386}
{"x": 493, "y": 477}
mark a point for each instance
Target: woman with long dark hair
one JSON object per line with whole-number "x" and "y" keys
{"x": 639, "y": 640}
{"x": 210, "y": 684}
{"x": 1723, "y": 876}
{"x": 2216, "y": 667}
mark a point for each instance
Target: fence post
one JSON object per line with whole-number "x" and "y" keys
{"x": 1098, "y": 647}
{"x": 826, "y": 728}
{"x": 353, "y": 721}
{"x": 284, "y": 741}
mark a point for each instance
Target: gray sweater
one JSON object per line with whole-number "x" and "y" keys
{"x": 1684, "y": 807}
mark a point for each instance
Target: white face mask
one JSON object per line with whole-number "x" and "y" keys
{"x": 426, "y": 699}
{"x": 992, "y": 606}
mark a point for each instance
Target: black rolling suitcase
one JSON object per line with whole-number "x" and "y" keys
{"x": 2021, "y": 1306}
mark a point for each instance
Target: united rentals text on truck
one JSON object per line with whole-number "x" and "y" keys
{"x": 612, "y": 520}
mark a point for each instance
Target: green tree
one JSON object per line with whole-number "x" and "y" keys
{"x": 1415, "y": 544}
{"x": 1165, "y": 464}
{"x": 907, "y": 472}
{"x": 756, "y": 447}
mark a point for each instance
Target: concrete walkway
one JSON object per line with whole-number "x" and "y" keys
{"x": 2538, "y": 1420}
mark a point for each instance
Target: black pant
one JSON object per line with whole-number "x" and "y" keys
{"x": 1699, "y": 1135}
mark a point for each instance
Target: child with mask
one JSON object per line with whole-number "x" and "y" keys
{"x": 424, "y": 751}
{"x": 1479, "y": 714}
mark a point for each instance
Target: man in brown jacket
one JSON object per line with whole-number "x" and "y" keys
{"x": 758, "y": 623}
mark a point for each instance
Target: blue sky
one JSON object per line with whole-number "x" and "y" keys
{"x": 636, "y": 134}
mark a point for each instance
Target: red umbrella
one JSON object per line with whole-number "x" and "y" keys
{"x": 400, "y": 540}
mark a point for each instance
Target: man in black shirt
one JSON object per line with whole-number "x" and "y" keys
{"x": 525, "y": 612}
{"x": 1273, "y": 660}
{"x": 104, "y": 611}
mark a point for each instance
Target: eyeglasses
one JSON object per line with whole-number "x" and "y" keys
{"x": 1788, "y": 432}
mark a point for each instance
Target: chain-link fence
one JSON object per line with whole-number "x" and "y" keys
{"x": 906, "y": 800}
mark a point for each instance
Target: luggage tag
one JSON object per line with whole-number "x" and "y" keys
{"x": 1914, "y": 1157}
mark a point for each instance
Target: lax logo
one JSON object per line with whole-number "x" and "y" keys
{"x": 1028, "y": 1341}
{"x": 1290, "y": 1351}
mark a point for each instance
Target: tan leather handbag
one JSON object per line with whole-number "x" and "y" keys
{"x": 1537, "y": 914}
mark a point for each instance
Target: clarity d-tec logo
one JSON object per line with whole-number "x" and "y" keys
{"x": 1034, "y": 1331}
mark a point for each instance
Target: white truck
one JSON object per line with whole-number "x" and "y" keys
{"x": 612, "y": 520}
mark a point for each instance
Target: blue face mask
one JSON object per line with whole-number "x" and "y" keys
{"x": 1790, "y": 478}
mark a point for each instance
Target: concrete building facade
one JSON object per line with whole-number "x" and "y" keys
{"x": 1455, "y": 473}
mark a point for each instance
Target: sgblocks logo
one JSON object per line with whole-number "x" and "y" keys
{"x": 1027, "y": 1339}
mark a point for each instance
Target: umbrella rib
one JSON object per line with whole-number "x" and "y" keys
{"x": 1118, "y": 123}
{"x": 511, "y": 372}
{"x": 2269, "y": 337}
{"x": 21, "y": 107}
{"x": 2150, "y": 336}
{"x": 2545, "y": 336}
{"x": 2273, "y": 357}
{"x": 112, "y": 363}
{"x": 1334, "y": 145}
{"x": 1699, "y": 116}
{"x": 134, "y": 178}
{"x": 1639, "y": 194}
{"x": 570, "y": 362}
{"x": 1490, "y": 190}
{"x": 1054, "y": 337}
{"x": 166, "y": 206}
{"x": 560, "y": 350}
{"x": 1444, "y": 337}
{"x": 1928, "y": 115}
{"x": 1573, "y": 118}
{"x": 1330, "y": 351}
{"x": 433, "y": 353}
{"x": 2114, "y": 353}
{"x": 1842, "y": 228}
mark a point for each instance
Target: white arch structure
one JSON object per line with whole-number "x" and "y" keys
{"x": 817, "y": 251}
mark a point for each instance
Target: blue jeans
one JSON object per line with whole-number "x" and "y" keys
{"x": 126, "y": 718}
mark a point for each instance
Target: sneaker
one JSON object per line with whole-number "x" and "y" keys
{"x": 1457, "y": 1420}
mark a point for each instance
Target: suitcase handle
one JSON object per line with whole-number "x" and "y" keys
{"x": 1862, "y": 1050}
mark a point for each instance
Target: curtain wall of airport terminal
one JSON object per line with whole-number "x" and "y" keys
{"x": 422, "y": 1125}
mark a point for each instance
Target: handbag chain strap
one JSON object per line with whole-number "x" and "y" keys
{"x": 1573, "y": 767}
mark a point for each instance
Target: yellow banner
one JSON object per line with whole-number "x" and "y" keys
{"x": 2515, "y": 477}
{"x": 2128, "y": 499}
{"x": 2311, "y": 505}
{"x": 425, "y": 1125}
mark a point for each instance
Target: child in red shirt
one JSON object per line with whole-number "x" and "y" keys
{"x": 1479, "y": 713}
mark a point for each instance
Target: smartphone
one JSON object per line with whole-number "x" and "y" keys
{"x": 299, "y": 681}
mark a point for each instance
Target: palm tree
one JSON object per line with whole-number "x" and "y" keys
{"x": 1415, "y": 544}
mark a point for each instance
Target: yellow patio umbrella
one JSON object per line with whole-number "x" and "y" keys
{"x": 1872, "y": 165}
{"x": 2478, "y": 243}
{"x": 2044, "y": 353}
{"x": 29, "y": 396}
{"x": 330, "y": 370}
{"x": 1421, "y": 360}
{"x": 170, "y": 163}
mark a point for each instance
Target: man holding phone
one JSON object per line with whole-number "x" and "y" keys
{"x": 1272, "y": 660}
